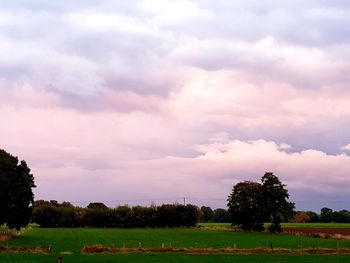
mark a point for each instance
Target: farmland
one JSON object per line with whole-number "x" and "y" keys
{"x": 69, "y": 243}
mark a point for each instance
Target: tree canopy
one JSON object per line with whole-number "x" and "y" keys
{"x": 16, "y": 196}
{"x": 245, "y": 206}
{"x": 252, "y": 203}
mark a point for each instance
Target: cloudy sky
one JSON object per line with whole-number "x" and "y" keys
{"x": 155, "y": 100}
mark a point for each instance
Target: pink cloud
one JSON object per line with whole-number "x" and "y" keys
{"x": 153, "y": 99}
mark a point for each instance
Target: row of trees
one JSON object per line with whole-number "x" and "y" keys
{"x": 327, "y": 215}
{"x": 54, "y": 214}
{"x": 219, "y": 215}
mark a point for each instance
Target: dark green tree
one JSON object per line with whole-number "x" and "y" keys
{"x": 97, "y": 205}
{"x": 16, "y": 195}
{"x": 275, "y": 201}
{"x": 342, "y": 216}
{"x": 245, "y": 206}
{"x": 326, "y": 215}
{"x": 314, "y": 217}
{"x": 251, "y": 204}
{"x": 221, "y": 216}
{"x": 206, "y": 214}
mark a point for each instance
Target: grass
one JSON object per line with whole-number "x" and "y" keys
{"x": 64, "y": 240}
{"x": 155, "y": 258}
{"x": 73, "y": 240}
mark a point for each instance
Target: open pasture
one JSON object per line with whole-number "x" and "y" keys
{"x": 68, "y": 243}
{"x": 74, "y": 239}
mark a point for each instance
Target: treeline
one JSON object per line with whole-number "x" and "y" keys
{"x": 208, "y": 215}
{"x": 53, "y": 214}
{"x": 327, "y": 215}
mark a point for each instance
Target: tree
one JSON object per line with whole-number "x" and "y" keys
{"x": 16, "y": 196}
{"x": 252, "y": 203}
{"x": 275, "y": 201}
{"x": 206, "y": 213}
{"x": 97, "y": 205}
{"x": 314, "y": 217}
{"x": 301, "y": 217}
{"x": 245, "y": 206}
{"x": 326, "y": 215}
{"x": 342, "y": 216}
{"x": 221, "y": 216}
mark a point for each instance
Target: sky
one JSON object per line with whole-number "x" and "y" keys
{"x": 156, "y": 100}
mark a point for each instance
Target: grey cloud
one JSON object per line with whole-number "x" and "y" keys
{"x": 142, "y": 60}
{"x": 310, "y": 23}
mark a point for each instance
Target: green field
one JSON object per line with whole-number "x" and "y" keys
{"x": 65, "y": 240}
{"x": 73, "y": 240}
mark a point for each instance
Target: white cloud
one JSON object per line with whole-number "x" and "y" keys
{"x": 346, "y": 147}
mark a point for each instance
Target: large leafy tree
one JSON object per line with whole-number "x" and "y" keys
{"x": 275, "y": 201}
{"x": 245, "y": 206}
{"x": 16, "y": 195}
{"x": 252, "y": 203}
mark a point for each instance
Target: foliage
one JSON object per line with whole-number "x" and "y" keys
{"x": 301, "y": 217}
{"x": 52, "y": 214}
{"x": 306, "y": 217}
{"x": 342, "y": 216}
{"x": 275, "y": 201}
{"x": 221, "y": 216}
{"x": 16, "y": 196}
{"x": 326, "y": 215}
{"x": 251, "y": 204}
{"x": 314, "y": 217}
{"x": 97, "y": 205}
{"x": 206, "y": 214}
{"x": 245, "y": 206}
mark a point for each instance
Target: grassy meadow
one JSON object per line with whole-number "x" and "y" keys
{"x": 68, "y": 243}
{"x": 73, "y": 239}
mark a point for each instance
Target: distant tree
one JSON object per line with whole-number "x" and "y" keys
{"x": 16, "y": 195}
{"x": 275, "y": 201}
{"x": 46, "y": 214}
{"x": 301, "y": 217}
{"x": 221, "y": 216}
{"x": 245, "y": 206}
{"x": 207, "y": 213}
{"x": 326, "y": 215}
{"x": 314, "y": 217}
{"x": 97, "y": 205}
{"x": 342, "y": 216}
